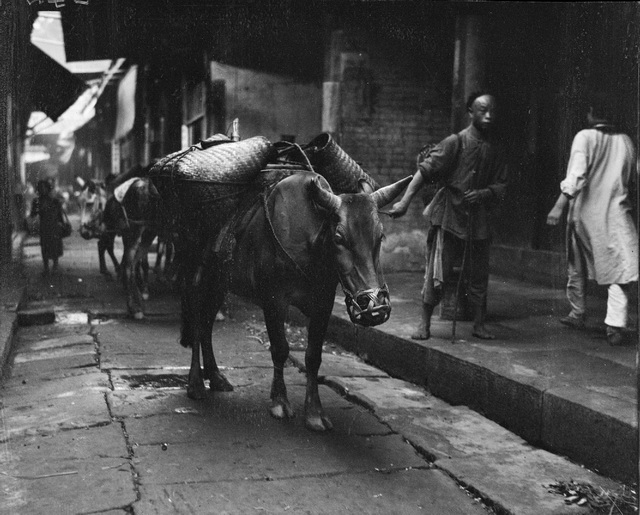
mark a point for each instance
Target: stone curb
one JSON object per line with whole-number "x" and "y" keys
{"x": 563, "y": 421}
{"x": 508, "y": 474}
{"x": 13, "y": 297}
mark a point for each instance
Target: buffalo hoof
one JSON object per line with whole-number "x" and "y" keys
{"x": 219, "y": 383}
{"x": 281, "y": 410}
{"x": 145, "y": 296}
{"x": 138, "y": 315}
{"x": 197, "y": 392}
{"x": 318, "y": 424}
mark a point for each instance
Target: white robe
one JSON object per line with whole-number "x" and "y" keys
{"x": 600, "y": 169}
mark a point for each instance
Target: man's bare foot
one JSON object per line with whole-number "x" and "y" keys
{"x": 422, "y": 333}
{"x": 482, "y": 333}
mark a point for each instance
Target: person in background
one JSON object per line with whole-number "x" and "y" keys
{"x": 602, "y": 239}
{"x": 470, "y": 169}
{"x": 51, "y": 215}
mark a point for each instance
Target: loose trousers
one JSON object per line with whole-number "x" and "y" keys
{"x": 617, "y": 294}
{"x": 450, "y": 253}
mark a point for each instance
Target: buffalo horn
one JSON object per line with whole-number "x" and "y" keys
{"x": 325, "y": 198}
{"x": 385, "y": 195}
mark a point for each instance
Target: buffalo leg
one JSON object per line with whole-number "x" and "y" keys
{"x": 109, "y": 244}
{"x": 190, "y": 329}
{"x": 101, "y": 252}
{"x": 135, "y": 257}
{"x": 159, "y": 254}
{"x": 143, "y": 259}
{"x": 168, "y": 258}
{"x": 131, "y": 251}
{"x": 315, "y": 419}
{"x": 274, "y": 315}
{"x": 144, "y": 277}
{"x": 211, "y": 303}
{"x": 105, "y": 245}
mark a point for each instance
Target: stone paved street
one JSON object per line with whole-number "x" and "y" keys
{"x": 95, "y": 419}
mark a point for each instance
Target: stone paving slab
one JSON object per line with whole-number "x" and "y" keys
{"x": 55, "y": 354}
{"x": 69, "y": 340}
{"x": 71, "y": 412}
{"x": 408, "y": 492}
{"x": 275, "y": 455}
{"x": 65, "y": 366}
{"x": 37, "y": 334}
{"x": 77, "y": 471}
{"x": 25, "y": 392}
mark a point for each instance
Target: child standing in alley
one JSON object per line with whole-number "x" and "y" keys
{"x": 51, "y": 219}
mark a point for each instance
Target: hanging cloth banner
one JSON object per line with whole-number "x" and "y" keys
{"x": 126, "y": 104}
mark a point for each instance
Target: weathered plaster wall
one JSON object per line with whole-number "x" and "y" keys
{"x": 16, "y": 19}
{"x": 268, "y": 104}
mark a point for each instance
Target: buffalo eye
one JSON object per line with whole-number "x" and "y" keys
{"x": 339, "y": 239}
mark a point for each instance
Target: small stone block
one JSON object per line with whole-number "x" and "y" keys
{"x": 36, "y": 316}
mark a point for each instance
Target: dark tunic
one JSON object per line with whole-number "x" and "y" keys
{"x": 50, "y": 211}
{"x": 459, "y": 163}
{"x": 478, "y": 155}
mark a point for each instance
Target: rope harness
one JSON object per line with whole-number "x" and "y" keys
{"x": 279, "y": 245}
{"x": 366, "y": 305}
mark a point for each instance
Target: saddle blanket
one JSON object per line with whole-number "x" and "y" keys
{"x": 121, "y": 190}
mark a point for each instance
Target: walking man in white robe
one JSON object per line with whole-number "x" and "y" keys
{"x": 602, "y": 239}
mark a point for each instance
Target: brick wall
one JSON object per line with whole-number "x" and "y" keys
{"x": 404, "y": 103}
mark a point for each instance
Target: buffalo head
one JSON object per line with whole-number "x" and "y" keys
{"x": 92, "y": 201}
{"x": 356, "y": 238}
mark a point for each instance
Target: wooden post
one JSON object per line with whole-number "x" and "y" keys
{"x": 331, "y": 106}
{"x": 469, "y": 65}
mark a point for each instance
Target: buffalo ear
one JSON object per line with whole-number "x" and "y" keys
{"x": 385, "y": 195}
{"x": 324, "y": 197}
{"x": 365, "y": 187}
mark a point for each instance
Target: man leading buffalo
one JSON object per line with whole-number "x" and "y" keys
{"x": 470, "y": 170}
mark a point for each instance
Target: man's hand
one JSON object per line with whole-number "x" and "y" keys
{"x": 553, "y": 218}
{"x": 398, "y": 209}
{"x": 474, "y": 196}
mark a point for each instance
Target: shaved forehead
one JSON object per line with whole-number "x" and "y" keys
{"x": 484, "y": 101}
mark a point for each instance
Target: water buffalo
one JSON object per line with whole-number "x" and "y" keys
{"x": 137, "y": 219}
{"x": 292, "y": 247}
{"x": 93, "y": 199}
